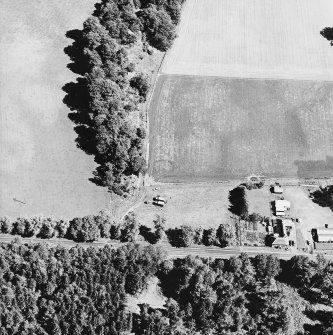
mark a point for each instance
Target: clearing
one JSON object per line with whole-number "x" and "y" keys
{"x": 40, "y": 164}
{"x": 253, "y": 39}
{"x": 209, "y": 128}
{"x": 201, "y": 204}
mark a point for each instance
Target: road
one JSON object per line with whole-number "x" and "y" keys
{"x": 172, "y": 252}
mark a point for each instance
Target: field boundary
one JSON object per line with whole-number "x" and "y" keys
{"x": 245, "y": 78}
{"x": 147, "y": 107}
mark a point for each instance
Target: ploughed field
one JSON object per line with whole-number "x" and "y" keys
{"x": 245, "y": 89}
{"x": 210, "y": 128}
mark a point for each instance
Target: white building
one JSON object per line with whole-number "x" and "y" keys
{"x": 277, "y": 189}
{"x": 281, "y": 206}
{"x": 325, "y": 235}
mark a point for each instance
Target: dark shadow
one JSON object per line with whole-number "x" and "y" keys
{"x": 328, "y": 34}
{"x": 147, "y": 234}
{"x": 175, "y": 237}
{"x": 323, "y": 319}
{"x": 269, "y": 239}
{"x": 315, "y": 168}
{"x": 86, "y": 139}
{"x": 323, "y": 197}
{"x": 75, "y": 52}
{"x": 238, "y": 204}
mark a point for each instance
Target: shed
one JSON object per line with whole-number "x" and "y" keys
{"x": 277, "y": 189}
{"x": 325, "y": 235}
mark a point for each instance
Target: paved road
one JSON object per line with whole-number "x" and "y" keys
{"x": 200, "y": 250}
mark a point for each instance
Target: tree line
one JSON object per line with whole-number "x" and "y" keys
{"x": 92, "y": 227}
{"x": 109, "y": 89}
{"x": 47, "y": 290}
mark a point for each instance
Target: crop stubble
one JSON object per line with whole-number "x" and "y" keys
{"x": 253, "y": 39}
{"x": 208, "y": 128}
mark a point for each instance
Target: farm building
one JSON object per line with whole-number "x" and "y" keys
{"x": 324, "y": 248}
{"x": 277, "y": 189}
{"x": 325, "y": 235}
{"x": 288, "y": 226}
{"x": 280, "y": 242}
{"x": 281, "y": 206}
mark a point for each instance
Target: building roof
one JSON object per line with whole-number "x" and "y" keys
{"x": 288, "y": 223}
{"x": 278, "y": 189}
{"x": 325, "y": 231}
{"x": 280, "y": 241}
{"x": 281, "y": 205}
{"x": 324, "y": 246}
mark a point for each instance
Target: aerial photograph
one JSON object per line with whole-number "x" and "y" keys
{"x": 166, "y": 167}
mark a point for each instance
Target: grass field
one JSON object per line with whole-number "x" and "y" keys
{"x": 208, "y": 128}
{"x": 203, "y": 204}
{"x": 40, "y": 164}
{"x": 253, "y": 38}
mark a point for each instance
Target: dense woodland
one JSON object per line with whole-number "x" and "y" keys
{"x": 84, "y": 291}
{"x": 110, "y": 89}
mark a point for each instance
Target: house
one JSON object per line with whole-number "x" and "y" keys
{"x": 325, "y": 235}
{"x": 280, "y": 242}
{"x": 277, "y": 189}
{"x": 281, "y": 206}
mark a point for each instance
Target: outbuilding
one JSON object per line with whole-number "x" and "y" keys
{"x": 281, "y": 206}
{"x": 280, "y": 242}
{"x": 325, "y": 235}
{"x": 277, "y": 189}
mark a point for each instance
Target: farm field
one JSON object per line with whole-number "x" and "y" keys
{"x": 209, "y": 128}
{"x": 200, "y": 204}
{"x": 253, "y": 39}
{"x": 40, "y": 164}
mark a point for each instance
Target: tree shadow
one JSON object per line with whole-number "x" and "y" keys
{"x": 328, "y": 34}
{"x": 325, "y": 319}
{"x": 75, "y": 51}
{"x": 147, "y": 234}
{"x": 238, "y": 204}
{"x": 175, "y": 237}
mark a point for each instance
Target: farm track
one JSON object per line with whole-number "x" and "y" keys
{"x": 202, "y": 251}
